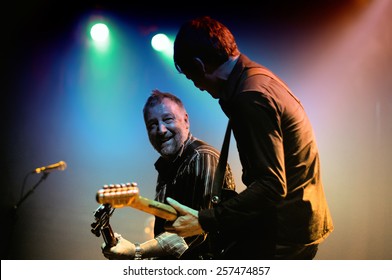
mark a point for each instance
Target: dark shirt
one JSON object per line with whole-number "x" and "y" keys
{"x": 189, "y": 180}
{"x": 284, "y": 198}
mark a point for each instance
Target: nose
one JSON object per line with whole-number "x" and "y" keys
{"x": 162, "y": 128}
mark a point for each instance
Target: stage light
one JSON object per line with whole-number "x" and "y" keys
{"x": 160, "y": 42}
{"x": 99, "y": 32}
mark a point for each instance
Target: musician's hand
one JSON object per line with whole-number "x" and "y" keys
{"x": 187, "y": 223}
{"x": 123, "y": 250}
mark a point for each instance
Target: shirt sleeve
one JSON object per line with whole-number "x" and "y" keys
{"x": 172, "y": 244}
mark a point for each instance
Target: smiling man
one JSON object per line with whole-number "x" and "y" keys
{"x": 186, "y": 169}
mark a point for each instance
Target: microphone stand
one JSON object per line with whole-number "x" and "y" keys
{"x": 13, "y": 216}
{"x": 43, "y": 177}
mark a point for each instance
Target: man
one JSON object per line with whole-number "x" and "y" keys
{"x": 283, "y": 212}
{"x": 186, "y": 169}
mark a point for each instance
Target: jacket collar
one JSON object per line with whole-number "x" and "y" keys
{"x": 231, "y": 84}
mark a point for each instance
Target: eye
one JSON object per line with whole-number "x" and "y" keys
{"x": 168, "y": 119}
{"x": 151, "y": 126}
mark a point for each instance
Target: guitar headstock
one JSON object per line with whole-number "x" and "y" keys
{"x": 118, "y": 195}
{"x": 102, "y": 225}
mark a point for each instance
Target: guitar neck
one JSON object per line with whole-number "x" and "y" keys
{"x": 119, "y": 196}
{"x": 155, "y": 208}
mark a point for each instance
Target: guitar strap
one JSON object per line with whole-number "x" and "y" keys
{"x": 221, "y": 167}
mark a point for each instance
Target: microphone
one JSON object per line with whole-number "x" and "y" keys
{"x": 61, "y": 165}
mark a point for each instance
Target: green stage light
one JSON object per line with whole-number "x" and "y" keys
{"x": 99, "y": 32}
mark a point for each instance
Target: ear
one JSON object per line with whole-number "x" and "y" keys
{"x": 199, "y": 65}
{"x": 186, "y": 119}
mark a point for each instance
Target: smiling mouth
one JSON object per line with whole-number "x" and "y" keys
{"x": 163, "y": 141}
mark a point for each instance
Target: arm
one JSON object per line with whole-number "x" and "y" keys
{"x": 163, "y": 245}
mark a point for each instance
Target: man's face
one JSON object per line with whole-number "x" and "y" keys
{"x": 167, "y": 127}
{"x": 205, "y": 82}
